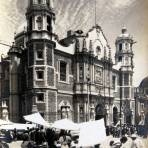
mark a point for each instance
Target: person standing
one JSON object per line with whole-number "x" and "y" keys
{"x": 136, "y": 143}
{"x": 124, "y": 142}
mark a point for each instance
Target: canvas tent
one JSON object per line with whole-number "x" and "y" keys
{"x": 4, "y": 122}
{"x": 37, "y": 119}
{"x": 92, "y": 133}
{"x": 65, "y": 124}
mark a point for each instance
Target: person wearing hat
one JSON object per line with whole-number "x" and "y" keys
{"x": 136, "y": 143}
{"x": 116, "y": 144}
{"x": 124, "y": 142}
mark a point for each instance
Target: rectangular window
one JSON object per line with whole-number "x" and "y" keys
{"x": 40, "y": 75}
{"x": 30, "y": 23}
{"x": 49, "y": 24}
{"x": 40, "y": 97}
{"x": 142, "y": 106}
{"x": 63, "y": 70}
{"x": 39, "y": 54}
{"x": 81, "y": 73}
{"x": 120, "y": 47}
{"x": 120, "y": 59}
{"x": 39, "y": 1}
{"x": 126, "y": 92}
{"x": 126, "y": 79}
{"x": 114, "y": 82}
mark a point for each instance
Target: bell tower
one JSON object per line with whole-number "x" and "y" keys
{"x": 124, "y": 57}
{"x": 40, "y": 17}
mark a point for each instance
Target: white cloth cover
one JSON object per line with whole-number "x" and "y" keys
{"x": 37, "y": 119}
{"x": 3, "y": 122}
{"x": 92, "y": 133}
{"x": 65, "y": 124}
{"x": 17, "y": 126}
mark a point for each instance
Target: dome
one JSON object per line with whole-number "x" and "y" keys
{"x": 144, "y": 83}
{"x": 124, "y": 34}
{"x": 21, "y": 28}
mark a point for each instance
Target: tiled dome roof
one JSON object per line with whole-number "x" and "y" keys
{"x": 144, "y": 83}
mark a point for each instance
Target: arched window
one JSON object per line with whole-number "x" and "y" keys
{"x": 98, "y": 50}
{"x": 100, "y": 111}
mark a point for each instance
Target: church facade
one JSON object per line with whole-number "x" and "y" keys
{"x": 76, "y": 77}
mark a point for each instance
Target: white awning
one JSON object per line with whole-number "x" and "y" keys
{"x": 65, "y": 124}
{"x": 92, "y": 133}
{"x": 3, "y": 122}
{"x": 17, "y": 126}
{"x": 37, "y": 119}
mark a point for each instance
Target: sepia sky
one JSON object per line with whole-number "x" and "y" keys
{"x": 79, "y": 14}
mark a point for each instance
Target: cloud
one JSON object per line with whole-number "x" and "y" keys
{"x": 79, "y": 14}
{"x": 122, "y": 3}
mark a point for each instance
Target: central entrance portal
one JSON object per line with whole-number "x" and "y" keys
{"x": 100, "y": 112}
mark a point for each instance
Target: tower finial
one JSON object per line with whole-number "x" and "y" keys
{"x": 124, "y": 30}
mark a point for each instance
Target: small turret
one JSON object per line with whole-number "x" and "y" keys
{"x": 124, "y": 52}
{"x": 124, "y": 56}
{"x": 40, "y": 18}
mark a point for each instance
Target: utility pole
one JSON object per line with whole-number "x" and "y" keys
{"x": 120, "y": 82}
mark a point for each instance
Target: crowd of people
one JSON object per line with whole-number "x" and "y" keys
{"x": 41, "y": 138}
{"x": 51, "y": 138}
{"x": 127, "y": 136}
{"x": 118, "y": 130}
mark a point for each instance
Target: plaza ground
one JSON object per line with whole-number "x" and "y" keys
{"x": 105, "y": 144}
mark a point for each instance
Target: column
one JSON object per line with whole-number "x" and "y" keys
{"x": 78, "y": 112}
